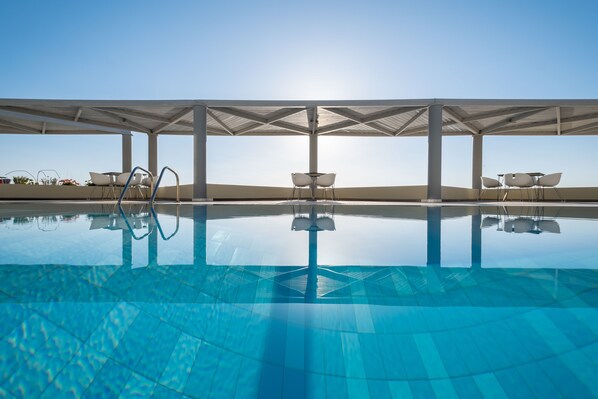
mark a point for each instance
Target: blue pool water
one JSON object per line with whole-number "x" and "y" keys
{"x": 298, "y": 302}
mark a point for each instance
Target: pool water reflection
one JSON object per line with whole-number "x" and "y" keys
{"x": 281, "y": 301}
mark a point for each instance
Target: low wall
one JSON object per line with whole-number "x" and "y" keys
{"x": 32, "y": 191}
{"x": 240, "y": 192}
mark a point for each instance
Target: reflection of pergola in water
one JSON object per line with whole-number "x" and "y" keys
{"x": 315, "y": 283}
{"x": 433, "y": 118}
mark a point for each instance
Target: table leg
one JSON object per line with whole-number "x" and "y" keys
{"x": 313, "y": 188}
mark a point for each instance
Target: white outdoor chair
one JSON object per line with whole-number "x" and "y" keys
{"x": 519, "y": 180}
{"x": 490, "y": 183}
{"x": 300, "y": 180}
{"x": 121, "y": 181}
{"x": 551, "y": 180}
{"x": 325, "y": 223}
{"x": 301, "y": 223}
{"x": 100, "y": 180}
{"x": 326, "y": 181}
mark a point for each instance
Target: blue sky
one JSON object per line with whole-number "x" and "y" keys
{"x": 301, "y": 50}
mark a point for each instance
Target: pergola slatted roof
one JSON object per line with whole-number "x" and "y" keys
{"x": 385, "y": 118}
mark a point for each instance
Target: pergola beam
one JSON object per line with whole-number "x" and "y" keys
{"x": 360, "y": 119}
{"x": 410, "y": 121}
{"x": 41, "y": 116}
{"x": 270, "y": 119}
{"x": 580, "y": 129}
{"x": 220, "y": 122}
{"x": 549, "y": 122}
{"x": 146, "y": 116}
{"x": 176, "y": 118}
{"x": 510, "y": 120}
{"x": 18, "y": 126}
{"x": 118, "y": 118}
{"x": 558, "y": 121}
{"x": 454, "y": 115}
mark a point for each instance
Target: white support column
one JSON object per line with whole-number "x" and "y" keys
{"x": 476, "y": 162}
{"x": 152, "y": 153}
{"x": 434, "y": 153}
{"x": 200, "y": 138}
{"x": 127, "y": 150}
{"x": 313, "y": 153}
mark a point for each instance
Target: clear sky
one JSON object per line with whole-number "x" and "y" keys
{"x": 301, "y": 50}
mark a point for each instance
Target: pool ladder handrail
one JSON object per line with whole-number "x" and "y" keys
{"x": 131, "y": 176}
{"x": 151, "y": 228}
{"x": 157, "y": 185}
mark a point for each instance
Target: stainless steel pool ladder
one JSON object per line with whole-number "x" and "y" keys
{"x": 155, "y": 189}
{"x": 151, "y": 228}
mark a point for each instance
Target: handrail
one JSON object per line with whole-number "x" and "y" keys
{"x": 43, "y": 171}
{"x": 176, "y": 230}
{"x": 160, "y": 179}
{"x": 131, "y": 176}
{"x": 151, "y": 228}
{"x": 33, "y": 179}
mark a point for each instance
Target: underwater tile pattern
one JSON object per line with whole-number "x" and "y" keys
{"x": 305, "y": 331}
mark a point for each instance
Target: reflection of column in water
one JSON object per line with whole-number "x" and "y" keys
{"x": 433, "y": 282}
{"x": 311, "y": 289}
{"x": 476, "y": 239}
{"x": 433, "y": 213}
{"x": 127, "y": 248}
{"x": 152, "y": 246}
{"x": 200, "y": 218}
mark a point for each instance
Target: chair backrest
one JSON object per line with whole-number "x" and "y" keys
{"x": 518, "y": 180}
{"x": 326, "y": 180}
{"x": 550, "y": 180}
{"x": 489, "y": 182}
{"x": 99, "y": 179}
{"x": 121, "y": 179}
{"x": 301, "y": 179}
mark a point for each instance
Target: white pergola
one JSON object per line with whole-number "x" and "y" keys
{"x": 433, "y": 118}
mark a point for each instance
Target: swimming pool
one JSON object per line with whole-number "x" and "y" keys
{"x": 279, "y": 301}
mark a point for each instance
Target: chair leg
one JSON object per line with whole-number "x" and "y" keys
{"x": 557, "y": 194}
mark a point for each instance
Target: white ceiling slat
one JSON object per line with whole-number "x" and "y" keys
{"x": 549, "y": 122}
{"x": 42, "y": 116}
{"x": 132, "y": 125}
{"x": 510, "y": 120}
{"x": 18, "y": 126}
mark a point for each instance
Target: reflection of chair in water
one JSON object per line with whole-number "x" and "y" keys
{"x": 549, "y": 226}
{"x": 100, "y": 222}
{"x": 325, "y": 223}
{"x": 301, "y": 223}
{"x": 490, "y": 221}
{"x": 519, "y": 225}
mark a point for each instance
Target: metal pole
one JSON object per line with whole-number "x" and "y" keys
{"x": 127, "y": 150}
{"x": 200, "y": 137}
{"x": 313, "y": 153}
{"x": 476, "y": 162}
{"x": 435, "y": 153}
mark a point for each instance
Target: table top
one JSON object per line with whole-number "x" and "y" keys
{"x": 112, "y": 173}
{"x": 315, "y": 174}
